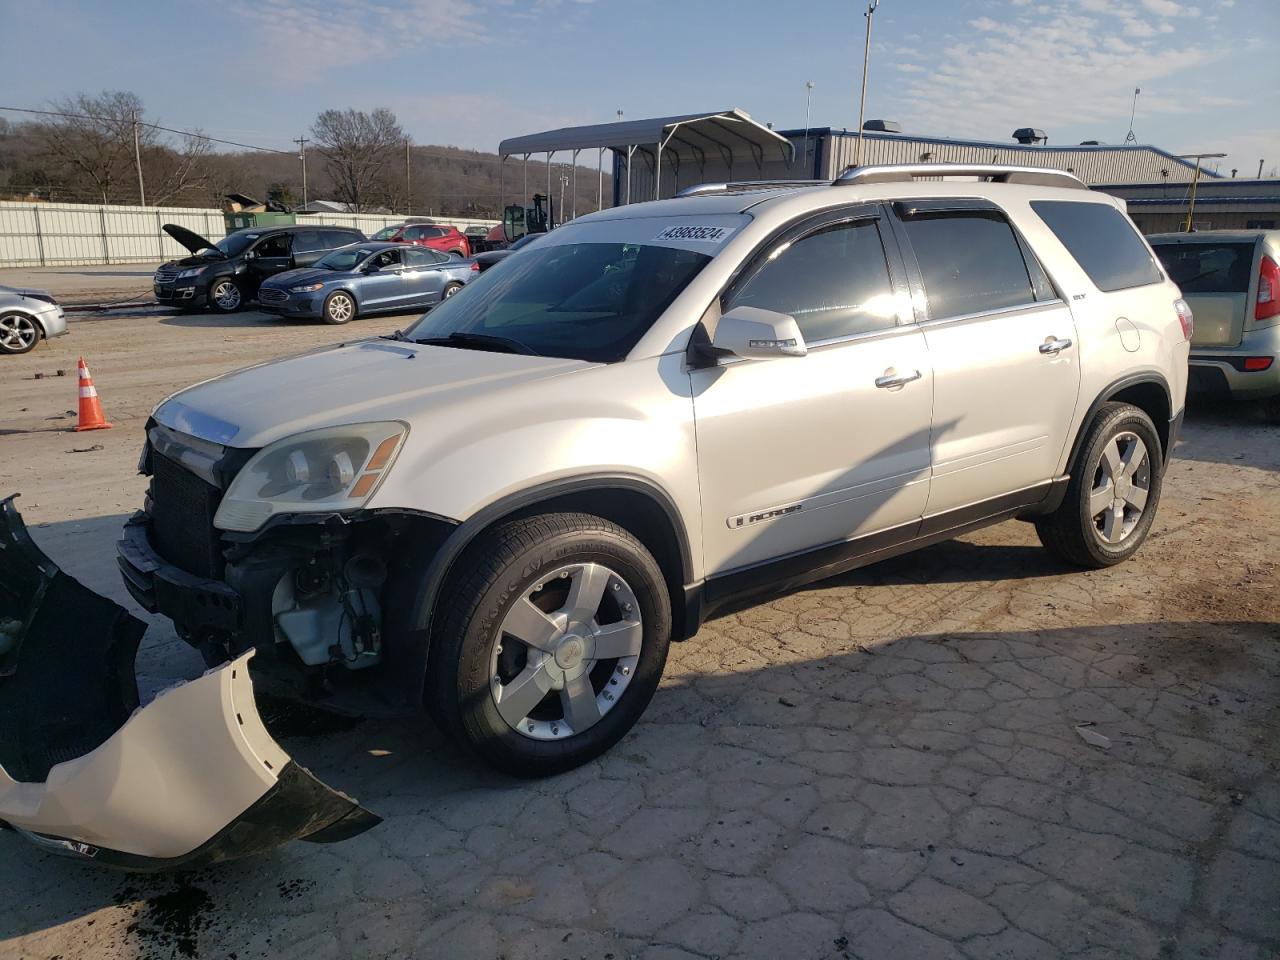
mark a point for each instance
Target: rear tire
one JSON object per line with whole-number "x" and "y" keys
{"x": 516, "y": 700}
{"x": 339, "y": 308}
{"x": 1113, "y": 493}
{"x": 450, "y": 290}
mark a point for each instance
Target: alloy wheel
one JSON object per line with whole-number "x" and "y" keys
{"x": 341, "y": 308}
{"x": 566, "y": 651}
{"x": 1121, "y": 486}
{"x": 226, "y": 295}
{"x": 18, "y": 333}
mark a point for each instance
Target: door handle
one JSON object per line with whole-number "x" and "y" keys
{"x": 1053, "y": 346}
{"x": 891, "y": 379}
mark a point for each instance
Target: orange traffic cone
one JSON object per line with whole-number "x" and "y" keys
{"x": 91, "y": 416}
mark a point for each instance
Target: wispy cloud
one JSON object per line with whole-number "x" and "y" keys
{"x": 1059, "y": 64}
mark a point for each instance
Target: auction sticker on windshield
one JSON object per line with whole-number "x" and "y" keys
{"x": 703, "y": 234}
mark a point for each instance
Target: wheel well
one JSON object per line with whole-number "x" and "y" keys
{"x": 1152, "y": 399}
{"x": 642, "y": 516}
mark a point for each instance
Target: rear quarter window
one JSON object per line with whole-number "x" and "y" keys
{"x": 1103, "y": 242}
{"x": 1208, "y": 267}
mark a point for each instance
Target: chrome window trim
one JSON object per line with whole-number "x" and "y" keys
{"x": 1034, "y": 305}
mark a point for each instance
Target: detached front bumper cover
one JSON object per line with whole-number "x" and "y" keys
{"x": 191, "y": 779}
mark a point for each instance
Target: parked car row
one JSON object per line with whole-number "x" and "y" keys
{"x": 333, "y": 273}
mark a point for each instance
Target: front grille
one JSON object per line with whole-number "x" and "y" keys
{"x": 272, "y": 295}
{"x": 182, "y": 509}
{"x": 167, "y": 274}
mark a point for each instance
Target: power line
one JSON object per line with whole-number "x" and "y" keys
{"x": 144, "y": 123}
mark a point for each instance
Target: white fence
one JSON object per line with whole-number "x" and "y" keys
{"x": 56, "y": 234}
{"x": 67, "y": 234}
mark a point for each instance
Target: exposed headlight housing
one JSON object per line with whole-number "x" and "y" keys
{"x": 189, "y": 273}
{"x": 308, "y": 288}
{"x": 320, "y": 471}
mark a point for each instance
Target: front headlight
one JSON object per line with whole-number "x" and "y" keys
{"x": 189, "y": 273}
{"x": 309, "y": 288}
{"x": 320, "y": 471}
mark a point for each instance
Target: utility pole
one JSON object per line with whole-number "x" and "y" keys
{"x": 302, "y": 155}
{"x": 137, "y": 160}
{"x": 808, "y": 96}
{"x": 1260, "y": 168}
{"x": 1132, "y": 137}
{"x": 866, "y": 60}
{"x": 408, "y": 183}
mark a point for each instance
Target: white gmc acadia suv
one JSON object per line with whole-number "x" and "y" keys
{"x": 505, "y": 513}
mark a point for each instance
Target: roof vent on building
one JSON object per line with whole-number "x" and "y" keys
{"x": 1090, "y": 143}
{"x": 883, "y": 126}
{"x": 1030, "y": 135}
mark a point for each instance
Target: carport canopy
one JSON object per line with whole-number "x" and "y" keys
{"x": 730, "y": 135}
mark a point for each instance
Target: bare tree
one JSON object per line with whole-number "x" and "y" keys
{"x": 357, "y": 148}
{"x": 92, "y": 150}
{"x": 171, "y": 173}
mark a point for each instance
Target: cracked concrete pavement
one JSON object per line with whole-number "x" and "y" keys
{"x": 884, "y": 765}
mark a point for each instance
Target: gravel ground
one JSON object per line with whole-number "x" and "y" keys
{"x": 887, "y": 764}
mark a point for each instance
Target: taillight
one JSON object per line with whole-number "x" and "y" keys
{"x": 1268, "y": 304}
{"x": 1256, "y": 364}
{"x": 475, "y": 267}
{"x": 1185, "y": 317}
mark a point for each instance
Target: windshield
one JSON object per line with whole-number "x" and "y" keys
{"x": 1208, "y": 267}
{"x": 235, "y": 244}
{"x": 344, "y": 258}
{"x": 586, "y": 301}
{"x": 386, "y": 233}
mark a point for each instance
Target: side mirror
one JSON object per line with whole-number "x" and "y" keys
{"x": 369, "y": 268}
{"x": 750, "y": 332}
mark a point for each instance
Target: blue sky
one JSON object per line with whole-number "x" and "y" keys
{"x": 469, "y": 72}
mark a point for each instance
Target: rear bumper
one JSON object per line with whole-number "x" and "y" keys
{"x": 1220, "y": 370}
{"x": 53, "y": 322}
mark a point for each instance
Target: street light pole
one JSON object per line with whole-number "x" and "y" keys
{"x": 408, "y": 182}
{"x": 808, "y": 96}
{"x": 866, "y": 60}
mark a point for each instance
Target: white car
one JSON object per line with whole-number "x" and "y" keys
{"x": 506, "y": 513}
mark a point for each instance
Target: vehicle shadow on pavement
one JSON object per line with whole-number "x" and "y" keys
{"x": 245, "y": 318}
{"x": 792, "y": 790}
{"x": 1236, "y": 434}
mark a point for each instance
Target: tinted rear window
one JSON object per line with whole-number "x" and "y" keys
{"x": 1103, "y": 242}
{"x": 971, "y": 262}
{"x": 1208, "y": 267}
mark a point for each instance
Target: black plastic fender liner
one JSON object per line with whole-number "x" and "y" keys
{"x": 190, "y": 780}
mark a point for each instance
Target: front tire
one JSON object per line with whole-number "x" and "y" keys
{"x": 339, "y": 308}
{"x": 18, "y": 333}
{"x": 225, "y": 295}
{"x": 1113, "y": 493}
{"x": 551, "y": 644}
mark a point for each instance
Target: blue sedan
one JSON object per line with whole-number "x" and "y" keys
{"x": 365, "y": 278}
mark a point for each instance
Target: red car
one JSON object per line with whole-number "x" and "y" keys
{"x": 444, "y": 238}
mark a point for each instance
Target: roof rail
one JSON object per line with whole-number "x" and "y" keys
{"x": 995, "y": 172}
{"x": 742, "y": 186}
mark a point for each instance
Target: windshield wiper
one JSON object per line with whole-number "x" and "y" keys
{"x": 397, "y": 335}
{"x": 481, "y": 341}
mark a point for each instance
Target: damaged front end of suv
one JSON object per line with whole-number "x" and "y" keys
{"x": 190, "y": 779}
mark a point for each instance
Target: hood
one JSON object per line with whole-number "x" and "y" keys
{"x": 33, "y": 292}
{"x": 348, "y": 383}
{"x": 189, "y": 239}
{"x": 293, "y": 278}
